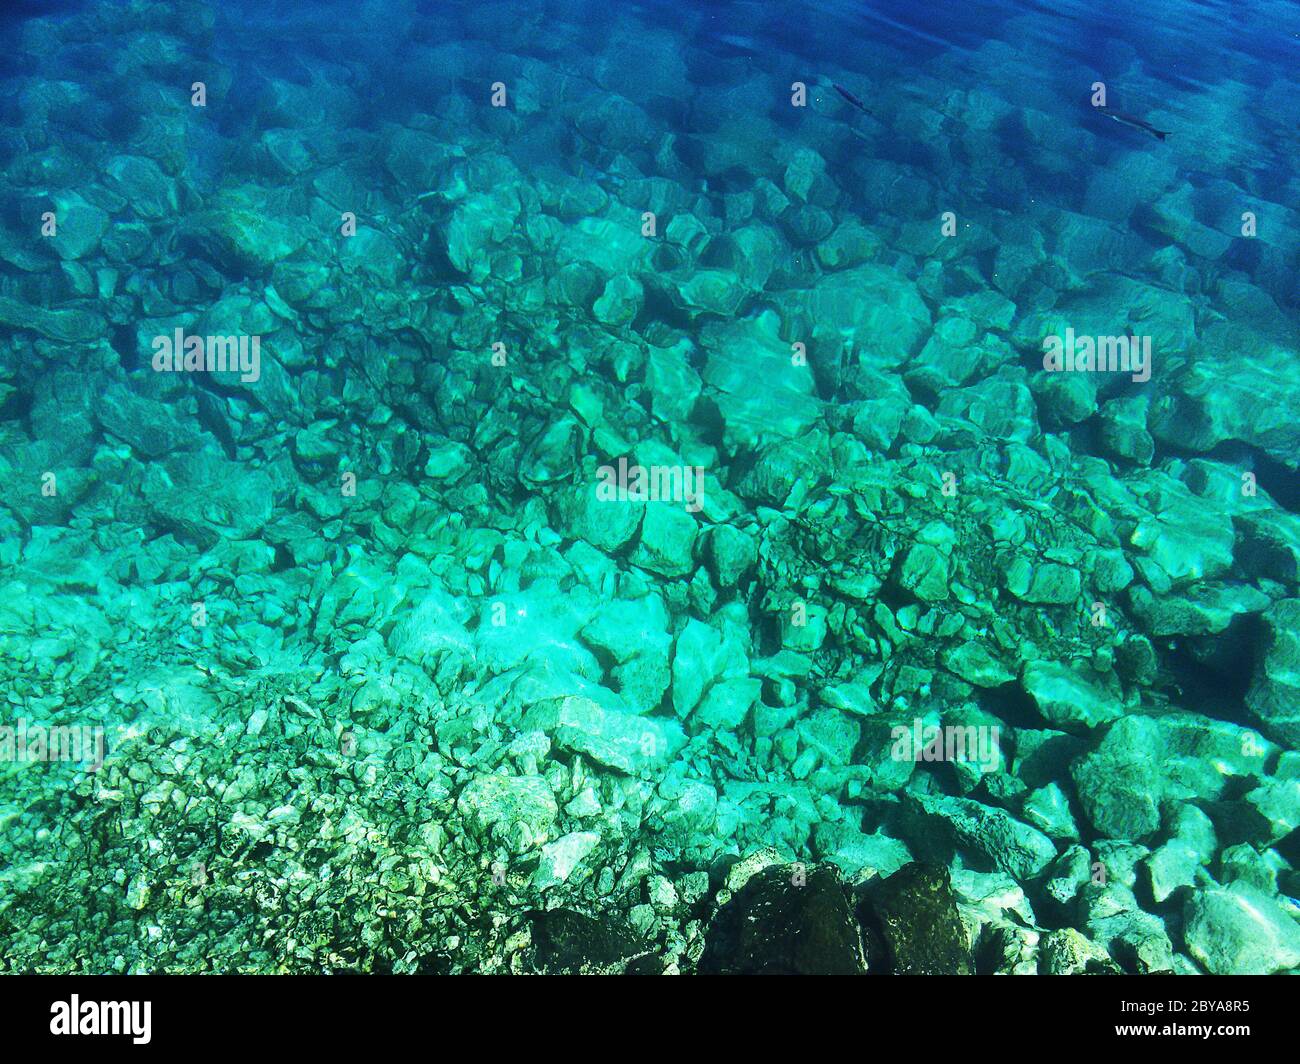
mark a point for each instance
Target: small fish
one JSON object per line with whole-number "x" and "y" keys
{"x": 1136, "y": 123}
{"x": 851, "y": 98}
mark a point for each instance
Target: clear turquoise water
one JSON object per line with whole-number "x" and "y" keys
{"x": 369, "y": 671}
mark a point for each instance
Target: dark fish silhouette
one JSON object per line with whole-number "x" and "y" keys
{"x": 1131, "y": 120}
{"x": 851, "y": 98}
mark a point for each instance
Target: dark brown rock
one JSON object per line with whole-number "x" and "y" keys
{"x": 571, "y": 942}
{"x": 787, "y": 920}
{"x": 912, "y": 925}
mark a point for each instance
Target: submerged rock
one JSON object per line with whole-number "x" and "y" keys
{"x": 912, "y": 924}
{"x": 940, "y": 824}
{"x": 1067, "y": 952}
{"x": 519, "y": 811}
{"x": 573, "y": 943}
{"x": 1119, "y": 785}
{"x": 786, "y": 920}
{"x": 1068, "y": 697}
{"x": 1274, "y": 695}
{"x": 1240, "y": 930}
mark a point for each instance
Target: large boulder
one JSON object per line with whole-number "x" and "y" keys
{"x": 912, "y": 925}
{"x": 786, "y": 920}
{"x": 1240, "y": 930}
